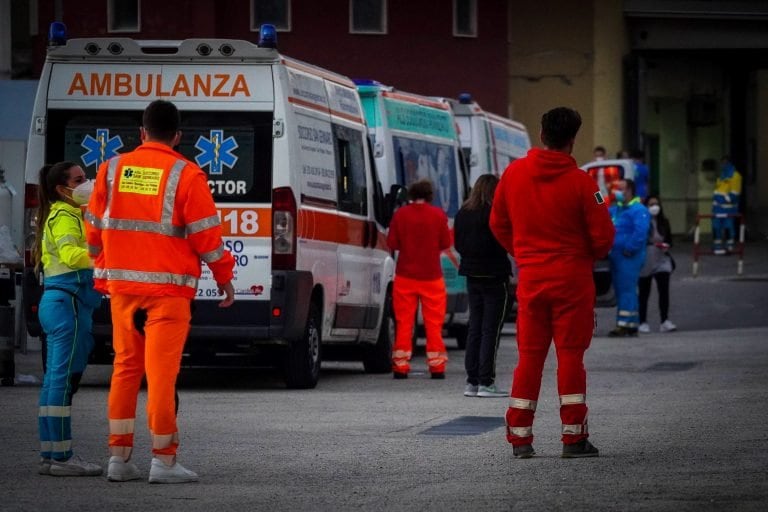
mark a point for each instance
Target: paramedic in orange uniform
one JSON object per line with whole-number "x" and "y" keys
{"x": 551, "y": 217}
{"x": 419, "y": 231}
{"x": 151, "y": 219}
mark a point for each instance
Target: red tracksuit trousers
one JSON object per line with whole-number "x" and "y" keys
{"x": 406, "y": 295}
{"x": 563, "y": 311}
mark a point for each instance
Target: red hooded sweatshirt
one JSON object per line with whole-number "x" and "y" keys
{"x": 550, "y": 216}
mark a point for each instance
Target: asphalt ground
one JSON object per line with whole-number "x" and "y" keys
{"x": 680, "y": 419}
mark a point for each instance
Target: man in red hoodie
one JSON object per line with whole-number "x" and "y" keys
{"x": 550, "y": 216}
{"x": 419, "y": 231}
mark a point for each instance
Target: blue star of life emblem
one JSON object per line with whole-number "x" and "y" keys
{"x": 100, "y": 149}
{"x": 216, "y": 152}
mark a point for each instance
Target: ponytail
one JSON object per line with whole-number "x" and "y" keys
{"x": 49, "y": 177}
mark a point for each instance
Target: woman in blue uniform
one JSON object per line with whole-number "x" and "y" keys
{"x": 65, "y": 311}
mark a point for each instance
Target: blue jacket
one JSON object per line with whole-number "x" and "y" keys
{"x": 633, "y": 223}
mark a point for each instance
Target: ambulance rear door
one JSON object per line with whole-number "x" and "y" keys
{"x": 94, "y": 112}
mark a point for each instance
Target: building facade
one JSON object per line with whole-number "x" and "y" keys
{"x": 686, "y": 81}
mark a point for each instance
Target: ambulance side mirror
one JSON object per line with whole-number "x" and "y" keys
{"x": 397, "y": 197}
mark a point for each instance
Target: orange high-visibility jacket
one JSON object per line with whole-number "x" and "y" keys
{"x": 150, "y": 220}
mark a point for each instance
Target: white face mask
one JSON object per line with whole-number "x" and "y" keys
{"x": 82, "y": 193}
{"x": 654, "y": 209}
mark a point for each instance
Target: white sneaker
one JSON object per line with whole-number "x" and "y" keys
{"x": 644, "y": 328}
{"x": 491, "y": 392}
{"x": 667, "y": 326}
{"x": 74, "y": 466}
{"x": 160, "y": 473}
{"x": 471, "y": 390}
{"x": 45, "y": 467}
{"x": 121, "y": 471}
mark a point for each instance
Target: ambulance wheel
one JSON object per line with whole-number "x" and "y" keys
{"x": 378, "y": 357}
{"x": 461, "y": 332}
{"x": 302, "y": 364}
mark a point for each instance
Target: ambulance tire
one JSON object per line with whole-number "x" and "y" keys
{"x": 378, "y": 357}
{"x": 302, "y": 363}
{"x": 461, "y": 332}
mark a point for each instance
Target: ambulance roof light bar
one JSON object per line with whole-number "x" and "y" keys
{"x": 267, "y": 36}
{"x": 57, "y": 34}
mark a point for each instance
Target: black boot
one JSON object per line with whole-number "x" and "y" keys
{"x": 579, "y": 450}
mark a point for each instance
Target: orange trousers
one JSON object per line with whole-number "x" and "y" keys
{"x": 156, "y": 353}
{"x": 406, "y": 295}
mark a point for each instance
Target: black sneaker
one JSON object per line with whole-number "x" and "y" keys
{"x": 580, "y": 450}
{"x": 523, "y": 451}
{"x": 399, "y": 375}
{"x": 437, "y": 375}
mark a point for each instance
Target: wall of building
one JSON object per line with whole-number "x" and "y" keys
{"x": 419, "y": 52}
{"x": 553, "y": 62}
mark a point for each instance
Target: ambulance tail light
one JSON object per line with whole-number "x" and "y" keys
{"x": 283, "y": 229}
{"x": 30, "y": 221}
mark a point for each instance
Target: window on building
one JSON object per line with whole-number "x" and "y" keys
{"x": 368, "y": 16}
{"x": 465, "y": 18}
{"x": 124, "y": 15}
{"x": 274, "y": 12}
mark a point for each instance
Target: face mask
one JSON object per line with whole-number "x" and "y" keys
{"x": 654, "y": 209}
{"x": 82, "y": 193}
{"x": 619, "y": 196}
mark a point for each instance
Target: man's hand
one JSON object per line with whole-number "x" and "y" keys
{"x": 229, "y": 290}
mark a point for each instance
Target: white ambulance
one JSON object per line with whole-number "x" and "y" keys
{"x": 490, "y": 142}
{"x": 284, "y": 144}
{"x": 413, "y": 138}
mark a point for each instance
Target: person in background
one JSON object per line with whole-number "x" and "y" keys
{"x": 627, "y": 256}
{"x": 725, "y": 204}
{"x": 487, "y": 267}
{"x": 151, "y": 222}
{"x": 658, "y": 265}
{"x": 642, "y": 175}
{"x": 598, "y": 153}
{"x": 65, "y": 312}
{"x": 551, "y": 216}
{"x": 419, "y": 231}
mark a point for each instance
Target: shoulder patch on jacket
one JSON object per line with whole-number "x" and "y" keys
{"x": 599, "y": 197}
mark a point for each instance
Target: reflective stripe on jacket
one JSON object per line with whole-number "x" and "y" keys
{"x": 151, "y": 219}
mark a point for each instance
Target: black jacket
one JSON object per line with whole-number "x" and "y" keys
{"x": 481, "y": 255}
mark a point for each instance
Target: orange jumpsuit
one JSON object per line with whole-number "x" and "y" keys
{"x": 151, "y": 219}
{"x": 419, "y": 231}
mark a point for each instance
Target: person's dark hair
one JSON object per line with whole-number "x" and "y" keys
{"x": 662, "y": 223}
{"x": 601, "y": 149}
{"x": 559, "y": 126}
{"x": 48, "y": 178}
{"x": 161, "y": 120}
{"x": 631, "y": 186}
{"x": 421, "y": 189}
{"x": 482, "y": 192}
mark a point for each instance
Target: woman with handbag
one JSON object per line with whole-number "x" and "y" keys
{"x": 658, "y": 265}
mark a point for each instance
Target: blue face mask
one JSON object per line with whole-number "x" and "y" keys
{"x": 619, "y": 196}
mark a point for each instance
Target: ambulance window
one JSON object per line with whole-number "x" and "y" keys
{"x": 234, "y": 149}
{"x": 351, "y": 170}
